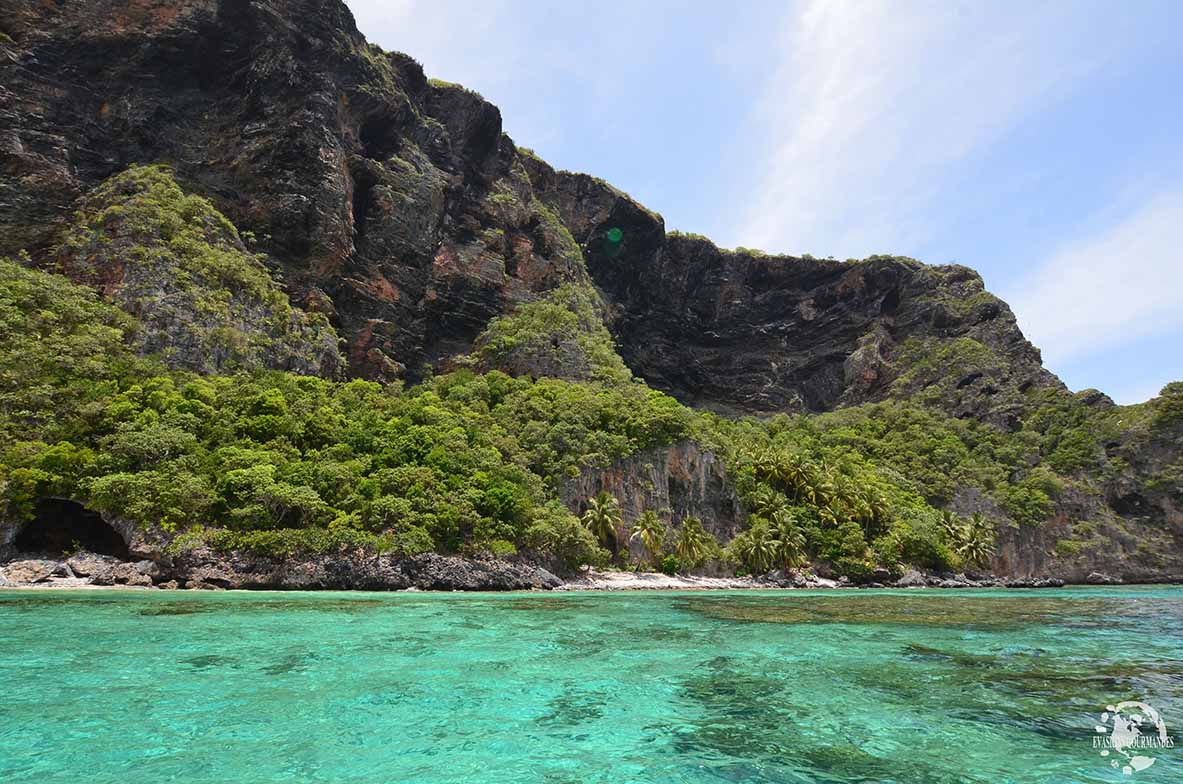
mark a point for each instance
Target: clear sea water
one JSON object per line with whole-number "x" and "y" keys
{"x": 852, "y": 686}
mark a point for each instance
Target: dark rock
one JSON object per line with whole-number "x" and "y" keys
{"x": 205, "y": 568}
{"x": 399, "y": 208}
{"x": 912, "y": 579}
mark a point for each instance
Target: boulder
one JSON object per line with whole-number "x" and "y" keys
{"x": 912, "y": 579}
{"x": 93, "y": 565}
{"x": 31, "y": 571}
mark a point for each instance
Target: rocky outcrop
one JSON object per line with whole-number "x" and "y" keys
{"x": 396, "y": 206}
{"x": 105, "y": 570}
{"x": 676, "y": 482}
{"x": 30, "y": 571}
{"x": 203, "y": 568}
{"x": 747, "y": 332}
{"x": 357, "y": 571}
{"x": 155, "y": 561}
{"x": 202, "y": 301}
{"x": 393, "y": 205}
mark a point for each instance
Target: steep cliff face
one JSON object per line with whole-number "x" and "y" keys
{"x": 392, "y": 204}
{"x": 743, "y": 331}
{"x": 675, "y": 482}
{"x": 396, "y": 206}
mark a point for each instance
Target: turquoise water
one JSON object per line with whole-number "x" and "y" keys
{"x": 853, "y": 686}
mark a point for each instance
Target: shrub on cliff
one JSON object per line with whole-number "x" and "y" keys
{"x": 203, "y": 301}
{"x": 561, "y": 335}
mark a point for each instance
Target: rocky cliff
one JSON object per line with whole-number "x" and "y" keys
{"x": 678, "y": 481}
{"x": 395, "y": 205}
{"x": 370, "y": 203}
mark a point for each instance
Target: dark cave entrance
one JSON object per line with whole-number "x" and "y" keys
{"x": 62, "y": 526}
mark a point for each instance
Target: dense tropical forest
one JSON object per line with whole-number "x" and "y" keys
{"x": 214, "y": 448}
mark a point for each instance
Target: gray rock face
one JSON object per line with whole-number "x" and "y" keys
{"x": 203, "y": 568}
{"x": 394, "y": 205}
{"x": 92, "y": 565}
{"x": 752, "y": 333}
{"x": 675, "y": 482}
{"x": 105, "y": 570}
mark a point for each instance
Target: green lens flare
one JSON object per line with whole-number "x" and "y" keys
{"x": 615, "y": 235}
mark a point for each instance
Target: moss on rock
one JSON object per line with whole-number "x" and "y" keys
{"x": 204, "y": 302}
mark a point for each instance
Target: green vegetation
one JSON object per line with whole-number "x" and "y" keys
{"x": 651, "y": 532}
{"x": 693, "y": 544}
{"x": 277, "y": 462}
{"x": 171, "y": 420}
{"x": 602, "y": 518}
{"x": 203, "y": 301}
{"x": 1169, "y": 405}
{"x": 560, "y": 335}
{"x": 689, "y": 235}
{"x": 467, "y": 462}
{"x": 440, "y": 84}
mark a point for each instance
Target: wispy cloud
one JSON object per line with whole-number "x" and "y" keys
{"x": 1115, "y": 285}
{"x": 875, "y": 105}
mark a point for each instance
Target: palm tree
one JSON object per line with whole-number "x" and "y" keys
{"x": 692, "y": 545}
{"x": 877, "y": 509}
{"x": 797, "y": 474}
{"x": 756, "y": 547}
{"x": 822, "y": 487}
{"x": 651, "y": 531}
{"x": 978, "y": 545}
{"x": 952, "y": 526}
{"x": 766, "y": 501}
{"x": 602, "y": 517}
{"x": 766, "y": 464}
{"x": 790, "y": 542}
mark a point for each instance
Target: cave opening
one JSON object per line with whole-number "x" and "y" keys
{"x": 60, "y": 526}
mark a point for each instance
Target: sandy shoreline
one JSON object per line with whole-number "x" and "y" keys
{"x": 596, "y": 580}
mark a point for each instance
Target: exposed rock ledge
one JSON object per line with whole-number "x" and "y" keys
{"x": 206, "y": 569}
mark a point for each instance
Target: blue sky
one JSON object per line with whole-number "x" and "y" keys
{"x": 1040, "y": 143}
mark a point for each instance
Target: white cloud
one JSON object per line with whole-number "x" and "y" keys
{"x": 1121, "y": 283}
{"x": 874, "y": 104}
